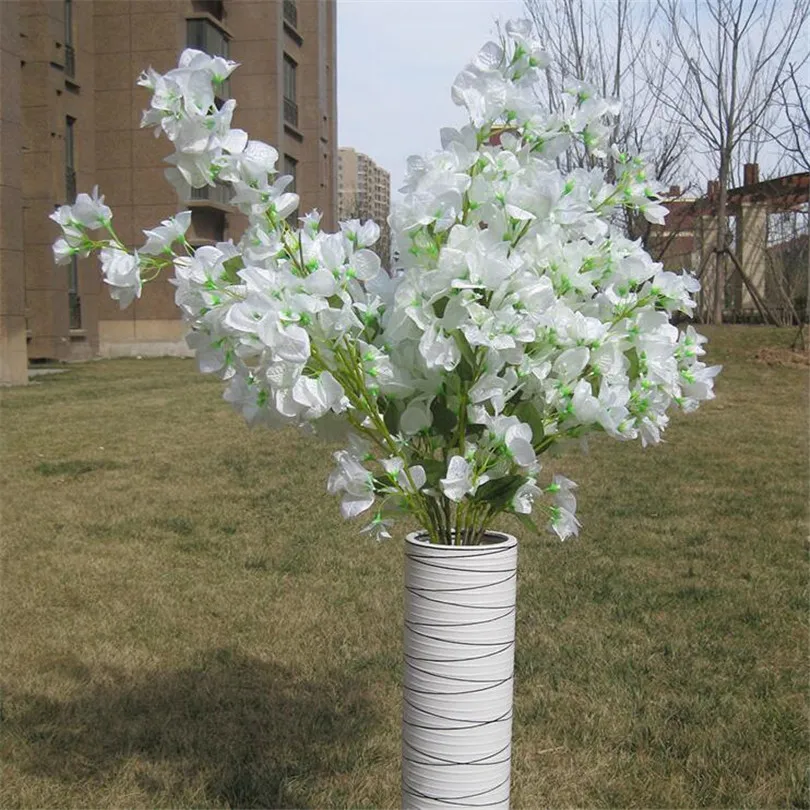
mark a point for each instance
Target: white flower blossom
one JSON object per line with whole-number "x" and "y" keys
{"x": 122, "y": 272}
{"x": 518, "y": 314}
{"x": 160, "y": 239}
{"x": 355, "y": 482}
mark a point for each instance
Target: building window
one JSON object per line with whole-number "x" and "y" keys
{"x": 212, "y": 7}
{"x": 74, "y": 306}
{"x": 291, "y": 168}
{"x": 70, "y": 162}
{"x": 290, "y": 96}
{"x": 204, "y": 36}
{"x": 291, "y": 13}
{"x": 74, "y": 302}
{"x": 208, "y": 226}
{"x": 70, "y": 54}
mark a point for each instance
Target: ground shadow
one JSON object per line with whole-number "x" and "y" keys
{"x": 253, "y": 733}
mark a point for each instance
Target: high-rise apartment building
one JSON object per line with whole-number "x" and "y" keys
{"x": 364, "y": 192}
{"x": 70, "y": 116}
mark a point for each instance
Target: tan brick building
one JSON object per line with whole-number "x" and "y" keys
{"x": 364, "y": 192}
{"x": 767, "y": 236}
{"x": 70, "y": 119}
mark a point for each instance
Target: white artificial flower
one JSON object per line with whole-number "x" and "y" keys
{"x": 355, "y": 481}
{"x": 494, "y": 389}
{"x": 516, "y": 303}
{"x": 63, "y": 252}
{"x": 380, "y": 527}
{"x": 524, "y": 498}
{"x": 416, "y": 417}
{"x": 411, "y": 481}
{"x": 72, "y": 231}
{"x": 571, "y": 363}
{"x": 90, "y": 211}
{"x": 461, "y": 479}
{"x": 311, "y": 222}
{"x": 439, "y": 349}
{"x": 122, "y": 272}
{"x": 319, "y": 395}
{"x": 563, "y": 491}
{"x": 160, "y": 239}
{"x": 586, "y": 408}
{"x": 516, "y": 437}
{"x": 217, "y": 66}
{"x": 564, "y": 523}
{"x": 361, "y": 235}
{"x": 698, "y": 382}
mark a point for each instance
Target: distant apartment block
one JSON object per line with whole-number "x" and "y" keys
{"x": 364, "y": 192}
{"x": 69, "y": 119}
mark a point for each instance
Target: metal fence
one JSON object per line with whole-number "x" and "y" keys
{"x": 290, "y": 112}
{"x": 70, "y": 61}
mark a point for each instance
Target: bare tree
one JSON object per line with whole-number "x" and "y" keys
{"x": 792, "y": 133}
{"x": 732, "y": 57}
{"x": 607, "y": 46}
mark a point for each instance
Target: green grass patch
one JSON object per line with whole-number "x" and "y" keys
{"x": 188, "y": 622}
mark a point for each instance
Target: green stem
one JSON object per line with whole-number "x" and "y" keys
{"x": 109, "y": 228}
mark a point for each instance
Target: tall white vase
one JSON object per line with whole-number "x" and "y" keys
{"x": 459, "y": 666}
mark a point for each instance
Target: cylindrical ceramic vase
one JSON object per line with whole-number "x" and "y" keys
{"x": 459, "y": 666}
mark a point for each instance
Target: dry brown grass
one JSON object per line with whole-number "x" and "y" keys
{"x": 187, "y": 621}
{"x": 781, "y": 356}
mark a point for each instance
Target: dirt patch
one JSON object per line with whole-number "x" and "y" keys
{"x": 783, "y": 357}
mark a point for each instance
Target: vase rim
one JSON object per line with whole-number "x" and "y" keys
{"x": 499, "y": 539}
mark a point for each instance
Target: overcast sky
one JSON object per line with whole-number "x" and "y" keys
{"x": 396, "y": 62}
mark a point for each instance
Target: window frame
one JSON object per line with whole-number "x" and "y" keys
{"x": 291, "y": 168}
{"x": 290, "y": 90}
{"x": 201, "y": 41}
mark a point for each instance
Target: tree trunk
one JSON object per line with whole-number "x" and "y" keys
{"x": 722, "y": 228}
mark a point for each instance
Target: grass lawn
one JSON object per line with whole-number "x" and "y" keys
{"x": 188, "y": 622}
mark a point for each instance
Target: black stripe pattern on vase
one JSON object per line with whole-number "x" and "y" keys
{"x": 459, "y": 667}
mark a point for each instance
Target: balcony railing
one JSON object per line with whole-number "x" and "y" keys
{"x": 291, "y": 13}
{"x": 70, "y": 61}
{"x": 70, "y": 185}
{"x": 290, "y": 112}
{"x": 75, "y": 310}
{"x": 218, "y": 193}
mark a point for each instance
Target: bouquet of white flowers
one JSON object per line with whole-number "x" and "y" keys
{"x": 520, "y": 315}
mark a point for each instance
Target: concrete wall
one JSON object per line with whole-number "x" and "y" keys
{"x": 751, "y": 248}
{"x": 13, "y": 353}
{"x": 113, "y": 41}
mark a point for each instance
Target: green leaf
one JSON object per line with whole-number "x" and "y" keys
{"x": 444, "y": 420}
{"x": 528, "y": 522}
{"x": 499, "y": 493}
{"x": 465, "y": 371}
{"x": 467, "y": 356}
{"x": 527, "y": 412}
{"x": 439, "y": 307}
{"x": 434, "y": 470}
{"x": 381, "y": 482}
{"x": 231, "y": 267}
{"x": 391, "y": 417}
{"x": 635, "y": 365}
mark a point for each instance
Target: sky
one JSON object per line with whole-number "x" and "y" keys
{"x": 396, "y": 62}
